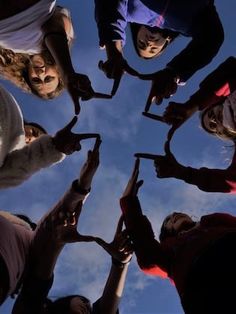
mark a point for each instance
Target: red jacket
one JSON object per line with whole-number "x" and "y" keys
{"x": 175, "y": 255}
{"x": 215, "y": 88}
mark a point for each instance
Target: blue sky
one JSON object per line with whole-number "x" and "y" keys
{"x": 83, "y": 268}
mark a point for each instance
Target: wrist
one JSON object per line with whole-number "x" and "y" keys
{"x": 114, "y": 49}
{"x": 119, "y": 264}
{"x": 78, "y": 187}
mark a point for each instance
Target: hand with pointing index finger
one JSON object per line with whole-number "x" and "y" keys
{"x": 120, "y": 248}
{"x": 68, "y": 142}
{"x": 164, "y": 85}
{"x": 114, "y": 68}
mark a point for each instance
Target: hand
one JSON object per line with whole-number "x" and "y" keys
{"x": 68, "y": 142}
{"x": 166, "y": 166}
{"x": 63, "y": 226}
{"x": 78, "y": 86}
{"x": 133, "y": 185}
{"x": 121, "y": 247}
{"x": 178, "y": 113}
{"x": 90, "y": 166}
{"x": 164, "y": 85}
{"x": 114, "y": 68}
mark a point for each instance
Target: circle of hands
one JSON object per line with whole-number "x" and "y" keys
{"x": 63, "y": 224}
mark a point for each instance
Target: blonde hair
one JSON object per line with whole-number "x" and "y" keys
{"x": 14, "y": 67}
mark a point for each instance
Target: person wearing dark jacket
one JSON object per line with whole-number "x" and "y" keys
{"x": 197, "y": 256}
{"x": 154, "y": 25}
{"x": 216, "y": 99}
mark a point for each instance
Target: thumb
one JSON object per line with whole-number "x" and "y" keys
{"x": 119, "y": 225}
{"x": 71, "y": 124}
{"x": 101, "y": 65}
{"x": 138, "y": 185}
{"x": 130, "y": 70}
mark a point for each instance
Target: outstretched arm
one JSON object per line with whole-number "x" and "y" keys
{"x": 55, "y": 39}
{"x": 208, "y": 180}
{"x": 121, "y": 251}
{"x": 149, "y": 252}
{"x": 207, "y": 37}
{"x": 55, "y": 229}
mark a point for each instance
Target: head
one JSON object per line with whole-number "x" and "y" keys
{"x": 150, "y": 42}
{"x": 174, "y": 224}
{"x": 33, "y": 131}
{"x": 73, "y": 304}
{"x": 25, "y": 218}
{"x": 215, "y": 120}
{"x": 43, "y": 77}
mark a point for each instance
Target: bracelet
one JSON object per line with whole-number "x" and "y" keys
{"x": 118, "y": 263}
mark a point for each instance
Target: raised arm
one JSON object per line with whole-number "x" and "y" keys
{"x": 56, "y": 40}
{"x": 55, "y": 229}
{"x": 207, "y": 37}
{"x": 121, "y": 251}
{"x": 22, "y": 163}
{"x": 213, "y": 89}
{"x": 150, "y": 255}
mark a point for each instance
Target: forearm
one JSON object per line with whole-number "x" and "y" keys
{"x": 209, "y": 180}
{"x": 113, "y": 290}
{"x": 57, "y": 44}
{"x": 23, "y": 163}
{"x": 208, "y": 33}
{"x": 111, "y": 20}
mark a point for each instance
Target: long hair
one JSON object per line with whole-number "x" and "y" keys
{"x": 14, "y": 67}
{"x": 134, "y": 27}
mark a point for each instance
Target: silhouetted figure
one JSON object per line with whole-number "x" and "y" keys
{"x": 59, "y": 228}
{"x": 35, "y": 37}
{"x": 154, "y": 25}
{"x": 198, "y": 256}
{"x": 25, "y": 148}
{"x": 216, "y": 98}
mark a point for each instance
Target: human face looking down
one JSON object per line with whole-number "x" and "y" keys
{"x": 31, "y": 133}
{"x": 43, "y": 77}
{"x": 150, "y": 43}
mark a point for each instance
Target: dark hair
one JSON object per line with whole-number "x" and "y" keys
{"x": 167, "y": 233}
{"x": 62, "y": 305}
{"x": 36, "y": 125}
{"x": 134, "y": 27}
{"x": 32, "y": 224}
{"x": 14, "y": 67}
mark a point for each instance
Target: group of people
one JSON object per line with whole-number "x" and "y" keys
{"x": 35, "y": 41}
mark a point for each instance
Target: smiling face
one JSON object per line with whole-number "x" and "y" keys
{"x": 32, "y": 133}
{"x": 177, "y": 222}
{"x": 43, "y": 78}
{"x": 150, "y": 43}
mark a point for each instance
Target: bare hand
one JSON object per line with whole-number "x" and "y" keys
{"x": 164, "y": 85}
{"x": 178, "y": 113}
{"x": 121, "y": 247}
{"x": 90, "y": 166}
{"x": 133, "y": 185}
{"x": 68, "y": 142}
{"x": 114, "y": 68}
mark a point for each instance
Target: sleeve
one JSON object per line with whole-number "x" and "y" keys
{"x": 212, "y": 180}
{"x": 217, "y": 85}
{"x": 207, "y": 38}
{"x": 33, "y": 296}
{"x": 111, "y": 18}
{"x": 150, "y": 256}
{"x": 23, "y": 163}
{"x": 219, "y": 219}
